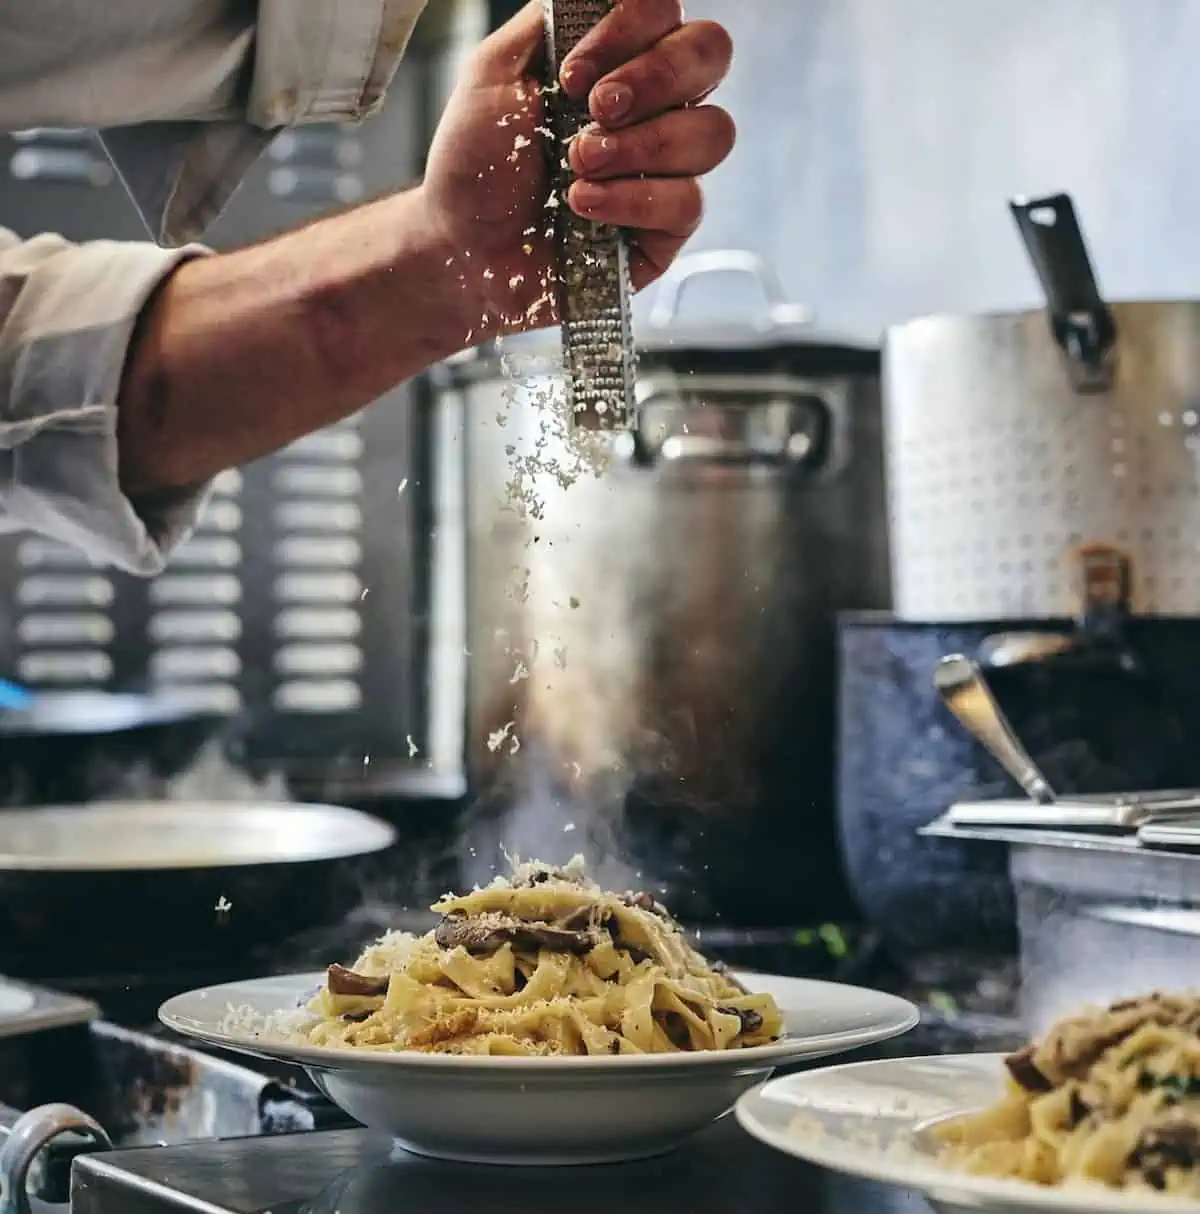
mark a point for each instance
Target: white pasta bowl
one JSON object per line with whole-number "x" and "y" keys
{"x": 869, "y": 1120}
{"x": 540, "y": 1110}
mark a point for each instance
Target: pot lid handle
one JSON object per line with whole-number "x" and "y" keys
{"x": 779, "y": 312}
{"x": 1079, "y": 318}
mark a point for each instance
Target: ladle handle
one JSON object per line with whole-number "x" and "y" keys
{"x": 1079, "y": 318}
{"x": 964, "y": 691}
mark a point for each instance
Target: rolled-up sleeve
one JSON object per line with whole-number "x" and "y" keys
{"x": 67, "y": 317}
{"x": 187, "y": 94}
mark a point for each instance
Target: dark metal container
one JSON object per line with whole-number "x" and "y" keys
{"x": 1095, "y": 718}
{"x": 153, "y": 887}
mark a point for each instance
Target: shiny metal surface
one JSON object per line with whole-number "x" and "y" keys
{"x": 178, "y": 835}
{"x": 1017, "y": 648}
{"x": 1181, "y": 833}
{"x": 92, "y": 712}
{"x": 594, "y": 289}
{"x": 650, "y": 624}
{"x": 33, "y": 1009}
{"x": 1134, "y": 910}
{"x": 1015, "y": 443}
{"x": 29, "y": 1135}
{"x": 999, "y": 470}
{"x": 965, "y": 692}
{"x": 721, "y": 1171}
{"x": 1121, "y": 813}
{"x": 1029, "y": 836}
{"x": 780, "y": 311}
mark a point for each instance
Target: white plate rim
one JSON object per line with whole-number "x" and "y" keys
{"x": 938, "y": 1183}
{"x": 903, "y": 1017}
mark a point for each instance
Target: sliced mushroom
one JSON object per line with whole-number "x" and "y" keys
{"x": 1078, "y": 1108}
{"x": 1024, "y": 1070}
{"x": 1174, "y": 1144}
{"x": 482, "y": 937}
{"x": 646, "y": 902}
{"x": 343, "y": 981}
{"x": 751, "y": 1021}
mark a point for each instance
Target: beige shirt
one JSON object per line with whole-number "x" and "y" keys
{"x": 187, "y": 93}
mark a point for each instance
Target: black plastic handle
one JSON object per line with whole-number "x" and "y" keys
{"x": 1080, "y": 320}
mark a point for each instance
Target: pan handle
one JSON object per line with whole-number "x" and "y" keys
{"x": 1080, "y": 320}
{"x": 26, "y": 1135}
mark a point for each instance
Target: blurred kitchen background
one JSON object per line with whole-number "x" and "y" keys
{"x": 344, "y": 625}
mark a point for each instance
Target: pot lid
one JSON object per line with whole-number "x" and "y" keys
{"x": 779, "y": 324}
{"x": 779, "y": 336}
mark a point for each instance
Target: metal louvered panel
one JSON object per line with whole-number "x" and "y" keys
{"x": 62, "y": 157}
{"x": 63, "y": 632}
{"x": 318, "y": 574}
{"x": 193, "y": 622}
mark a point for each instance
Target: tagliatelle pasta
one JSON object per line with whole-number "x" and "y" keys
{"x": 1107, "y": 1097}
{"x": 542, "y": 963}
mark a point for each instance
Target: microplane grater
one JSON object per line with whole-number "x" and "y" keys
{"x": 594, "y": 288}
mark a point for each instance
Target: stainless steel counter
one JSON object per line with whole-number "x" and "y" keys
{"x": 723, "y": 1171}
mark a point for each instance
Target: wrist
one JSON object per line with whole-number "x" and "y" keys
{"x": 427, "y": 274}
{"x": 456, "y": 278}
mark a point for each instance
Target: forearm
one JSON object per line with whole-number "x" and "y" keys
{"x": 239, "y": 354}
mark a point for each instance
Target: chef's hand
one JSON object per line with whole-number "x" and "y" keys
{"x": 644, "y": 72}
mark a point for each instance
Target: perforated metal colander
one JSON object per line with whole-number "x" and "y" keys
{"x": 1006, "y": 457}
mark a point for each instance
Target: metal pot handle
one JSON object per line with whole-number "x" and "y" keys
{"x": 1003, "y": 649}
{"x": 799, "y": 447}
{"x": 779, "y": 311}
{"x": 1079, "y": 318}
{"x": 1105, "y": 591}
{"x": 28, "y": 1134}
{"x": 799, "y": 450}
{"x": 1180, "y": 921}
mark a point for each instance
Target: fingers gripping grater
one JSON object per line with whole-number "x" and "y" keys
{"x": 594, "y": 289}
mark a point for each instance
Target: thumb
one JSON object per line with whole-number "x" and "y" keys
{"x": 515, "y": 49}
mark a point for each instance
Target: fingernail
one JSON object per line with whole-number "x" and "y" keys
{"x": 586, "y": 197}
{"x": 595, "y": 151}
{"x": 579, "y": 76}
{"x": 614, "y": 100}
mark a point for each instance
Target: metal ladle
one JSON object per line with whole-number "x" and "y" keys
{"x": 965, "y": 692}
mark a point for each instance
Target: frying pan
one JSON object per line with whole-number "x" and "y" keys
{"x": 71, "y": 747}
{"x": 146, "y": 887}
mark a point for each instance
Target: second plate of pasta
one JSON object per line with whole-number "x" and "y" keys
{"x": 889, "y": 1120}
